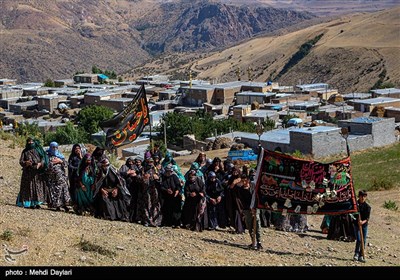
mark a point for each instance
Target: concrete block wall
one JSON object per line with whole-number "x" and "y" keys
{"x": 383, "y": 132}
{"x": 300, "y": 141}
{"x": 361, "y": 142}
{"x": 328, "y": 143}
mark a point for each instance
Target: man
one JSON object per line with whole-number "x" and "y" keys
{"x": 361, "y": 221}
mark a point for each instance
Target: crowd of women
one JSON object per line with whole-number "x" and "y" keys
{"x": 153, "y": 191}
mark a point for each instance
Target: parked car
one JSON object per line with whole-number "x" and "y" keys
{"x": 247, "y": 154}
{"x": 295, "y": 122}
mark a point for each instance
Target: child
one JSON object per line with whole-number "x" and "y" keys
{"x": 361, "y": 222}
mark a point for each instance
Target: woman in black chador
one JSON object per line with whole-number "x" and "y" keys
{"x": 171, "y": 192}
{"x": 195, "y": 208}
{"x": 111, "y": 197}
{"x": 74, "y": 160}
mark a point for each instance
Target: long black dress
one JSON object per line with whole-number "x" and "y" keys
{"x": 108, "y": 206}
{"x": 195, "y": 208}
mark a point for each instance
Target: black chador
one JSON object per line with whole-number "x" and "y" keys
{"x": 111, "y": 197}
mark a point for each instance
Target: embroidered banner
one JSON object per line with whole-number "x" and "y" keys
{"x": 125, "y": 127}
{"x": 292, "y": 185}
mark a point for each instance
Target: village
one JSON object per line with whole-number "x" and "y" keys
{"x": 371, "y": 118}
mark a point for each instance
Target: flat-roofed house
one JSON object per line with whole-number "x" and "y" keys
{"x": 86, "y": 78}
{"x": 248, "y": 97}
{"x": 195, "y": 96}
{"x": 368, "y": 105}
{"x": 261, "y": 115}
{"x": 225, "y": 92}
{"x": 393, "y": 112}
{"x": 386, "y": 92}
{"x": 19, "y": 108}
{"x": 239, "y": 111}
{"x": 98, "y": 96}
{"x": 310, "y": 88}
{"x": 36, "y": 91}
{"x": 256, "y": 87}
{"x": 9, "y": 82}
{"x": 10, "y": 93}
{"x": 63, "y": 83}
{"x": 6, "y": 102}
{"x": 117, "y": 104}
{"x": 49, "y": 102}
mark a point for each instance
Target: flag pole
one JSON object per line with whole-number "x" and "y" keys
{"x": 345, "y": 135}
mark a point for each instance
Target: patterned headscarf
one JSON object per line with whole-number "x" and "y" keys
{"x": 39, "y": 149}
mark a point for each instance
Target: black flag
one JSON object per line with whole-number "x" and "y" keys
{"x": 127, "y": 125}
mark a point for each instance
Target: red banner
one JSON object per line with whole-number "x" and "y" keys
{"x": 294, "y": 185}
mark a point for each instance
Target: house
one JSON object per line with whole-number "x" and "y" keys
{"x": 386, "y": 92}
{"x": 9, "y": 82}
{"x": 368, "y": 105}
{"x": 49, "y": 102}
{"x": 195, "y": 96}
{"x": 19, "y": 108}
{"x": 309, "y": 88}
{"x": 86, "y": 78}
{"x": 36, "y": 91}
{"x": 63, "y": 83}
{"x": 256, "y": 87}
{"x": 248, "y": 97}
{"x": 225, "y": 92}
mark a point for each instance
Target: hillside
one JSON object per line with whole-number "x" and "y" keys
{"x": 351, "y": 54}
{"x": 53, "y": 237}
{"x": 43, "y": 39}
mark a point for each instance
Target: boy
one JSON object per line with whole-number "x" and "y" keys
{"x": 361, "y": 222}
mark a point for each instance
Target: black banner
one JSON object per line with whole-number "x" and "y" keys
{"x": 125, "y": 127}
{"x": 292, "y": 185}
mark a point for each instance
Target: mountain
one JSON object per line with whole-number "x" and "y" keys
{"x": 206, "y": 25}
{"x": 325, "y": 7}
{"x": 43, "y": 39}
{"x": 351, "y": 53}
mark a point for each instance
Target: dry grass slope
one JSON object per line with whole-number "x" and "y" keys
{"x": 61, "y": 239}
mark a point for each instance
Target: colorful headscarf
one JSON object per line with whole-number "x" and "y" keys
{"x": 55, "y": 152}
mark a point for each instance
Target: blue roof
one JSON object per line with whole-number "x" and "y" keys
{"x": 102, "y": 76}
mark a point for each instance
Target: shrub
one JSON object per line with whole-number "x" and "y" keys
{"x": 7, "y": 235}
{"x": 381, "y": 184}
{"x": 88, "y": 246}
{"x": 391, "y": 205}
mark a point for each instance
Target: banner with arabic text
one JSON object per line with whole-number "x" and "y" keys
{"x": 293, "y": 185}
{"x": 126, "y": 126}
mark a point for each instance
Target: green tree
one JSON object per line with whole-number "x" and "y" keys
{"x": 201, "y": 125}
{"x": 268, "y": 124}
{"x": 49, "y": 83}
{"x": 68, "y": 134}
{"x": 89, "y": 118}
{"x": 96, "y": 70}
{"x": 26, "y": 129}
